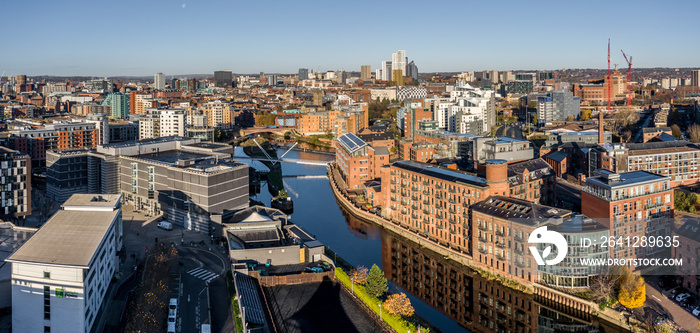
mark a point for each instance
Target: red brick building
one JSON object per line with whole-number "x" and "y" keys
{"x": 630, "y": 204}
{"x": 357, "y": 161}
{"x": 689, "y": 252}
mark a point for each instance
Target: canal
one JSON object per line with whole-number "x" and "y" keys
{"x": 450, "y": 296}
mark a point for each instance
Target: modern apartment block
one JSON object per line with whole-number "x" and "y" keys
{"x": 119, "y": 103}
{"x": 434, "y": 202}
{"x": 502, "y": 227}
{"x": 162, "y": 122}
{"x": 675, "y": 159}
{"x": 57, "y": 136}
{"x": 501, "y": 148}
{"x": 219, "y": 114}
{"x": 61, "y": 274}
{"x": 15, "y": 184}
{"x": 559, "y": 105}
{"x": 637, "y": 203}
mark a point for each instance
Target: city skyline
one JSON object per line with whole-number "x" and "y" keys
{"x": 285, "y": 37}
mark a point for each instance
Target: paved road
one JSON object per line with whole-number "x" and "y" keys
{"x": 646, "y": 119}
{"x": 198, "y": 268}
{"x": 510, "y": 130}
{"x": 660, "y": 303}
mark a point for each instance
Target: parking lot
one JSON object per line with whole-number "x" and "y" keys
{"x": 662, "y": 295}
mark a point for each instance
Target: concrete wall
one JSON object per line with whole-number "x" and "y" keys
{"x": 285, "y": 255}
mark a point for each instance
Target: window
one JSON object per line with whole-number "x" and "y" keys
{"x": 47, "y": 329}
{"x": 47, "y": 275}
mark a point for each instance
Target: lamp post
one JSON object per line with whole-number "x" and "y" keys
{"x": 380, "y": 311}
{"x": 352, "y": 284}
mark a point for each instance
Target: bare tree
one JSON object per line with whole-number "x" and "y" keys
{"x": 694, "y": 133}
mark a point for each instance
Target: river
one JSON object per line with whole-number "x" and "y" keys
{"x": 449, "y": 296}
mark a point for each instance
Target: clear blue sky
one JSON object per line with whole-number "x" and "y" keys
{"x": 110, "y": 38}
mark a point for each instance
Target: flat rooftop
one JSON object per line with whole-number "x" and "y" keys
{"x": 520, "y": 211}
{"x": 625, "y": 179}
{"x": 440, "y": 173}
{"x": 172, "y": 156}
{"x": 146, "y": 141}
{"x": 69, "y": 237}
{"x": 92, "y": 200}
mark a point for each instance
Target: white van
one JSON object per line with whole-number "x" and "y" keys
{"x": 165, "y": 225}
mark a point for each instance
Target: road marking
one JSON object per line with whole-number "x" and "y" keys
{"x": 202, "y": 274}
{"x": 656, "y": 298}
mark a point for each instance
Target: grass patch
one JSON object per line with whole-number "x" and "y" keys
{"x": 234, "y": 302}
{"x": 396, "y": 322}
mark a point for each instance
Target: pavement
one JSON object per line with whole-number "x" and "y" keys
{"x": 195, "y": 254}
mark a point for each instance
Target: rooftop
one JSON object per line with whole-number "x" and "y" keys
{"x": 578, "y": 224}
{"x": 557, "y": 156}
{"x": 146, "y": 141}
{"x": 611, "y": 179}
{"x": 520, "y": 211}
{"x": 351, "y": 142}
{"x": 69, "y": 237}
{"x": 440, "y": 173}
{"x": 92, "y": 201}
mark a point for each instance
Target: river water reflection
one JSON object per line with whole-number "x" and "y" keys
{"x": 450, "y": 296}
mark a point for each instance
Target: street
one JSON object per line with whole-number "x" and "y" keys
{"x": 663, "y": 305}
{"x": 510, "y": 130}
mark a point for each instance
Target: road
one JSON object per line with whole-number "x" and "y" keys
{"x": 663, "y": 305}
{"x": 510, "y": 130}
{"x": 646, "y": 119}
{"x": 197, "y": 269}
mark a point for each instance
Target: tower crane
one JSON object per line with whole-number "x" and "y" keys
{"x": 629, "y": 78}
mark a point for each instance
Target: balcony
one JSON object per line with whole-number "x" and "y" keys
{"x": 415, "y": 207}
{"x": 482, "y": 227}
{"x": 520, "y": 264}
{"x": 483, "y": 251}
{"x": 500, "y": 257}
{"x": 452, "y": 211}
{"x": 483, "y": 239}
{"x": 426, "y": 183}
{"x": 501, "y": 245}
{"x": 500, "y": 233}
{"x": 426, "y": 201}
{"x": 426, "y": 211}
{"x": 519, "y": 239}
{"x": 452, "y": 221}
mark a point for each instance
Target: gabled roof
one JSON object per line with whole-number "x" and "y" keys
{"x": 557, "y": 156}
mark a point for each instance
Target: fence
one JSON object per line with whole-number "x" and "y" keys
{"x": 271, "y": 281}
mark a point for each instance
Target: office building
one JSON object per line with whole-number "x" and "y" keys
{"x": 159, "y": 81}
{"x": 303, "y": 74}
{"x": 397, "y": 77}
{"x": 688, "y": 236}
{"x": 62, "y": 274}
{"x": 66, "y": 172}
{"x": 637, "y": 203}
{"x": 188, "y": 184}
{"x": 119, "y": 103}
{"x": 223, "y": 79}
{"x": 366, "y": 73}
{"x": 558, "y": 105}
{"x": 15, "y": 184}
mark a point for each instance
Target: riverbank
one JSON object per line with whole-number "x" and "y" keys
{"x": 562, "y": 301}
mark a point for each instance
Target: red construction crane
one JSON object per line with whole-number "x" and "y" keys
{"x": 629, "y": 78}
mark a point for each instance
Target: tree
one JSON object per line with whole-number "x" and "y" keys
{"x": 376, "y": 284}
{"x": 359, "y": 275}
{"x": 676, "y": 131}
{"x": 632, "y": 292}
{"x": 585, "y": 114}
{"x": 570, "y": 118}
{"x": 399, "y": 304}
{"x": 694, "y": 133}
{"x": 534, "y": 119}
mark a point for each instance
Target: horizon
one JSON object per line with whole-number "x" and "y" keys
{"x": 282, "y": 37}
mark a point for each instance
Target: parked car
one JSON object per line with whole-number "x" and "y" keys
{"x": 165, "y": 225}
{"x": 696, "y": 311}
{"x": 171, "y": 325}
{"x": 682, "y": 297}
